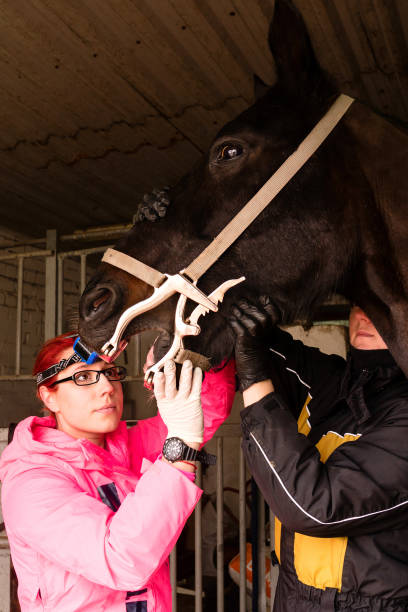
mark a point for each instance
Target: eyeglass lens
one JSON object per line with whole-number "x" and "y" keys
{"x": 89, "y": 377}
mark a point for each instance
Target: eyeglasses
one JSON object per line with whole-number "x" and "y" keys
{"x": 91, "y": 377}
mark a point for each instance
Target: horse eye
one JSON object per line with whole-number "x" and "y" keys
{"x": 229, "y": 151}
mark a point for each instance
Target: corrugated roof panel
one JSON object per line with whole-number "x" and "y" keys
{"x": 101, "y": 102}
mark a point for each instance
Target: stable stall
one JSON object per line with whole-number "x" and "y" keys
{"x": 212, "y": 564}
{"x": 101, "y": 105}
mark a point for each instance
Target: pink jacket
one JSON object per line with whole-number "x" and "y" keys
{"x": 70, "y": 550}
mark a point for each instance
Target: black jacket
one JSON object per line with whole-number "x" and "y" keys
{"x": 329, "y": 451}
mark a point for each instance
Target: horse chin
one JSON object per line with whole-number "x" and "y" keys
{"x": 216, "y": 347}
{"x": 215, "y": 343}
{"x": 160, "y": 347}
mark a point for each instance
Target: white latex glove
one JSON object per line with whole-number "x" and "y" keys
{"x": 180, "y": 408}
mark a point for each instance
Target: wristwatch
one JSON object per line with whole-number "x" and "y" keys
{"x": 174, "y": 449}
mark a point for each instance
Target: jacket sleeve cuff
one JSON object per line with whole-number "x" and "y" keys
{"x": 190, "y": 475}
{"x": 255, "y": 413}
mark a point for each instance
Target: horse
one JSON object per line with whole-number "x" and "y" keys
{"x": 338, "y": 227}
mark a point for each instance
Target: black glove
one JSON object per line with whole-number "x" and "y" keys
{"x": 153, "y": 206}
{"x": 252, "y": 324}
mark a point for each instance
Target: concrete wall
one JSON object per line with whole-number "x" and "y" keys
{"x": 17, "y": 398}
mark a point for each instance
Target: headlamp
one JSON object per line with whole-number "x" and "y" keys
{"x": 84, "y": 352}
{"x": 81, "y": 353}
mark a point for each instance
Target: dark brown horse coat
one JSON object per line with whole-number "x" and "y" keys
{"x": 339, "y": 225}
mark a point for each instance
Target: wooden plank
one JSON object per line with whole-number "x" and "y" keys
{"x": 212, "y": 50}
{"x": 231, "y": 27}
{"x": 258, "y": 25}
{"x": 328, "y": 40}
{"x": 389, "y": 46}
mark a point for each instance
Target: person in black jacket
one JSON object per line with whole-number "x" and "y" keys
{"x": 327, "y": 442}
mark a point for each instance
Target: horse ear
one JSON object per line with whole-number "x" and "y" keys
{"x": 291, "y": 48}
{"x": 260, "y": 88}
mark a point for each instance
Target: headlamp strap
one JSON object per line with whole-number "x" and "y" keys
{"x": 57, "y": 367}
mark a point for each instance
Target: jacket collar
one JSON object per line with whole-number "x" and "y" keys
{"x": 36, "y": 440}
{"x": 367, "y": 373}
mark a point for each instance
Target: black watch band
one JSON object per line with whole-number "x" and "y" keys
{"x": 175, "y": 449}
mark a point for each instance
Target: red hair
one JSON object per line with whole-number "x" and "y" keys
{"x": 51, "y": 353}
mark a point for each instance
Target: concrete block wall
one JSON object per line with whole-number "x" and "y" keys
{"x": 17, "y": 399}
{"x": 33, "y": 306}
{"x": 32, "y": 316}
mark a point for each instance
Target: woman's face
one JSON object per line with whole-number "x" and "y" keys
{"x": 87, "y": 411}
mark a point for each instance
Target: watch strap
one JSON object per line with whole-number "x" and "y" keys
{"x": 207, "y": 458}
{"x": 187, "y": 453}
{"x": 191, "y": 454}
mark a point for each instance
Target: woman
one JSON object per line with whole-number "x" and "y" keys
{"x": 92, "y": 510}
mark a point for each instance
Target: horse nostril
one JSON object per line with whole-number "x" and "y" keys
{"x": 97, "y": 303}
{"x": 100, "y": 300}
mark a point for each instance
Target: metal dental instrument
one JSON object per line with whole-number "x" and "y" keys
{"x": 176, "y": 283}
{"x": 187, "y": 327}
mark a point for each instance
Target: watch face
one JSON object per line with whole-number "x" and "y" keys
{"x": 173, "y": 449}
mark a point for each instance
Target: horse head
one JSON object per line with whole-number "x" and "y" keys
{"x": 329, "y": 230}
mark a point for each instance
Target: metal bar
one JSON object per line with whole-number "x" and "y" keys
{"x": 173, "y": 578}
{"x": 340, "y": 323}
{"x": 60, "y": 298}
{"x": 137, "y": 356}
{"x": 48, "y": 252}
{"x": 261, "y": 553}
{"x": 99, "y": 232}
{"x": 83, "y": 272}
{"x": 12, "y": 244}
{"x": 9, "y": 377}
{"x": 50, "y": 286}
{"x": 77, "y": 252}
{"x": 19, "y": 314}
{"x": 12, "y": 377}
{"x": 198, "y": 561}
{"x": 228, "y": 430}
{"x": 130, "y": 378}
{"x": 183, "y": 591}
{"x": 220, "y": 527}
{"x": 242, "y": 533}
{"x": 42, "y": 253}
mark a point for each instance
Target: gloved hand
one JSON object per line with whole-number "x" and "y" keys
{"x": 153, "y": 206}
{"x": 252, "y": 325}
{"x": 180, "y": 408}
